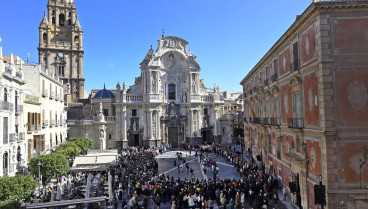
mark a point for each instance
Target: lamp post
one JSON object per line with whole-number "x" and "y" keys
{"x": 39, "y": 178}
{"x": 320, "y": 177}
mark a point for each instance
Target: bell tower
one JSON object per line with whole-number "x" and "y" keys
{"x": 60, "y": 47}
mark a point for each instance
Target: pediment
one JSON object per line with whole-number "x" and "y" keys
{"x": 297, "y": 80}
{"x": 275, "y": 90}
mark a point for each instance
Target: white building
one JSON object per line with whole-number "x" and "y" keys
{"x": 168, "y": 103}
{"x": 12, "y": 143}
{"x": 44, "y": 110}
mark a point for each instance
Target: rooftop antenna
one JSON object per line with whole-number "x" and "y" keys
{"x": 28, "y": 55}
{"x": 163, "y": 33}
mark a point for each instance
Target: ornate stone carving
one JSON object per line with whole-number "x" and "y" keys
{"x": 170, "y": 62}
{"x": 154, "y": 122}
{"x": 357, "y": 95}
{"x": 286, "y": 103}
{"x": 310, "y": 100}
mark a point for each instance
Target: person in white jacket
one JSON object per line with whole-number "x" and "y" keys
{"x": 190, "y": 201}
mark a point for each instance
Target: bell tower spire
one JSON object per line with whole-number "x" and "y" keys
{"x": 61, "y": 46}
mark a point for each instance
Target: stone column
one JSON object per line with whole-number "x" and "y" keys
{"x": 124, "y": 128}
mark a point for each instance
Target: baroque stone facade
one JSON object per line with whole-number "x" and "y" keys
{"x": 305, "y": 105}
{"x": 168, "y": 103}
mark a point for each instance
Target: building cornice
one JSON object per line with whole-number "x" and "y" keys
{"x": 312, "y": 12}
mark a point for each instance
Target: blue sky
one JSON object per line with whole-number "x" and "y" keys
{"x": 228, "y": 37}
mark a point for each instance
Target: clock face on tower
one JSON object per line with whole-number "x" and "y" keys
{"x": 61, "y": 54}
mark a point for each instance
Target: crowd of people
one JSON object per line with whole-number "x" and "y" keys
{"x": 135, "y": 182}
{"x": 142, "y": 183}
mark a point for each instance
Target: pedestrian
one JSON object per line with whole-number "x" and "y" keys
{"x": 276, "y": 197}
{"x": 284, "y": 192}
{"x": 158, "y": 201}
{"x": 237, "y": 200}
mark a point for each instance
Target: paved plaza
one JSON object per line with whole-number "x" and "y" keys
{"x": 226, "y": 170}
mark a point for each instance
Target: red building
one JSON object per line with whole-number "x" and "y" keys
{"x": 305, "y": 106}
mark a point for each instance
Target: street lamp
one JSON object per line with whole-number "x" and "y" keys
{"x": 39, "y": 178}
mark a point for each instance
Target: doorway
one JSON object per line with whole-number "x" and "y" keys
{"x": 173, "y": 135}
{"x": 136, "y": 140}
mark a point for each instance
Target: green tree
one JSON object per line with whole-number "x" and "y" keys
{"x": 10, "y": 204}
{"x": 16, "y": 188}
{"x": 69, "y": 150}
{"x": 52, "y": 165}
{"x": 83, "y": 142}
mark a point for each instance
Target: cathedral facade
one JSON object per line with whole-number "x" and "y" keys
{"x": 168, "y": 103}
{"x": 60, "y": 47}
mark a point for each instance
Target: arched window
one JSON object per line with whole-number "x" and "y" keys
{"x": 61, "y": 20}
{"x": 53, "y": 20}
{"x": 172, "y": 91}
{"x": 76, "y": 39}
{"x": 134, "y": 112}
{"x": 44, "y": 37}
{"x": 5, "y": 94}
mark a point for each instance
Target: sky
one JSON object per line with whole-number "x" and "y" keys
{"x": 228, "y": 37}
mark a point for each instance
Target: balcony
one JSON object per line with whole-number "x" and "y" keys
{"x": 57, "y": 98}
{"x": 12, "y": 138}
{"x": 110, "y": 118}
{"x": 21, "y": 136}
{"x": 278, "y": 154}
{"x": 8, "y": 71}
{"x": 297, "y": 123}
{"x": 45, "y": 124}
{"x": 5, "y": 105}
{"x": 275, "y": 121}
{"x": 274, "y": 77}
{"x": 5, "y": 138}
{"x": 265, "y": 82}
{"x": 45, "y": 93}
{"x": 267, "y": 121}
{"x": 255, "y": 120}
{"x": 52, "y": 123}
{"x": 38, "y": 127}
{"x": 18, "y": 109}
{"x": 18, "y": 75}
{"x": 31, "y": 127}
{"x": 52, "y": 96}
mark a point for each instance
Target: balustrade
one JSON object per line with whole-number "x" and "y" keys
{"x": 297, "y": 123}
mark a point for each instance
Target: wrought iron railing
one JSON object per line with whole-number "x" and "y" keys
{"x": 21, "y": 136}
{"x": 31, "y": 127}
{"x": 275, "y": 121}
{"x": 297, "y": 123}
{"x": 5, "y": 105}
{"x": 45, "y": 93}
{"x": 45, "y": 124}
{"x": 52, "y": 96}
{"x": 274, "y": 77}
{"x": 12, "y": 138}
{"x": 18, "y": 74}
